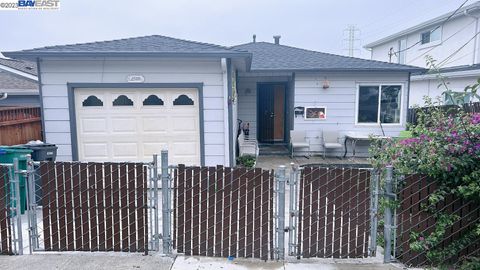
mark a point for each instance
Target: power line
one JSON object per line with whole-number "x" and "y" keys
{"x": 431, "y": 31}
{"x": 431, "y": 49}
{"x": 458, "y": 50}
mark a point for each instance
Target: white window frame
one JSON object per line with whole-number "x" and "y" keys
{"x": 402, "y": 100}
{"x": 431, "y": 43}
{"x": 402, "y": 51}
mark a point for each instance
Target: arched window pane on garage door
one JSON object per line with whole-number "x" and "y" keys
{"x": 122, "y": 100}
{"x": 92, "y": 101}
{"x": 153, "y": 100}
{"x": 183, "y": 100}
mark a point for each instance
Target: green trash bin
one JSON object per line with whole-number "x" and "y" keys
{"x": 7, "y": 154}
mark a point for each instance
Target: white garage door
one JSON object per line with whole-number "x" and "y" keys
{"x": 133, "y": 124}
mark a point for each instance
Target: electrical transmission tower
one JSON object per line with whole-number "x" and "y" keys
{"x": 351, "y": 40}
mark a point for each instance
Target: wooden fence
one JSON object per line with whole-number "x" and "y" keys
{"x": 18, "y": 125}
{"x": 334, "y": 219}
{"x": 223, "y": 212}
{"x": 94, "y": 206}
{"x": 412, "y": 218}
{"x": 412, "y": 114}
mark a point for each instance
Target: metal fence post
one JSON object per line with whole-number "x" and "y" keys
{"x": 156, "y": 238}
{"x": 292, "y": 218}
{"x": 18, "y": 207}
{"x": 280, "y": 230}
{"x": 166, "y": 207}
{"x": 387, "y": 257}
{"x": 374, "y": 183}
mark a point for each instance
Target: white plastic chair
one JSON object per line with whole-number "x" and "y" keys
{"x": 247, "y": 146}
{"x": 330, "y": 141}
{"x": 298, "y": 139}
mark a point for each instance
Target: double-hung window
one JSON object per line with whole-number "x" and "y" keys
{"x": 379, "y": 104}
{"x": 431, "y": 36}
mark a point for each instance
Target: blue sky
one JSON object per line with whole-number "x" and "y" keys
{"x": 314, "y": 24}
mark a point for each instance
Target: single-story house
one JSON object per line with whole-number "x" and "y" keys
{"x": 127, "y": 99}
{"x": 18, "y": 83}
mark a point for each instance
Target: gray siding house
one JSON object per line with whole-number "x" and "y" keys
{"x": 18, "y": 83}
{"x": 126, "y": 99}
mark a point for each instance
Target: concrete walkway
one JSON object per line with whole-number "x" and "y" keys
{"x": 102, "y": 260}
{"x": 268, "y": 162}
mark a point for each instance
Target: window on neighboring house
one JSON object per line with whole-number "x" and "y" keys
{"x": 92, "y": 101}
{"x": 122, "y": 100}
{"x": 402, "y": 46}
{"x": 431, "y": 35}
{"x": 183, "y": 100}
{"x": 379, "y": 104}
{"x": 153, "y": 100}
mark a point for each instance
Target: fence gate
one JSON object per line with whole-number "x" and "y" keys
{"x": 224, "y": 212}
{"x": 6, "y": 243}
{"x": 333, "y": 216}
{"x": 90, "y": 207}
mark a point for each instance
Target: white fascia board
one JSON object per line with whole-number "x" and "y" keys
{"x": 455, "y": 74}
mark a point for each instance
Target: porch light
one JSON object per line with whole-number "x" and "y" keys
{"x": 326, "y": 84}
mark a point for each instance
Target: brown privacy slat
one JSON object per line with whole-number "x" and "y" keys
{"x": 116, "y": 194}
{"x": 188, "y": 207}
{"x": 218, "y": 211}
{"x": 124, "y": 206}
{"x": 69, "y": 205}
{"x": 92, "y": 173}
{"x": 100, "y": 189}
{"x": 180, "y": 208}
{"x": 353, "y": 212}
{"x": 330, "y": 217}
{"x": 314, "y": 183}
{"x": 227, "y": 186}
{"x": 257, "y": 215}
{"x": 145, "y": 211}
{"x": 132, "y": 228}
{"x": 323, "y": 180}
{"x": 347, "y": 175}
{"x": 255, "y": 173}
{"x": 77, "y": 211}
{"x": 234, "y": 215}
{"x": 107, "y": 166}
{"x": 362, "y": 209}
{"x": 242, "y": 212}
{"x": 61, "y": 206}
{"x": 140, "y": 207}
{"x": 211, "y": 211}
{"x": 366, "y": 213}
{"x": 196, "y": 212}
{"x": 338, "y": 208}
{"x": 271, "y": 213}
{"x": 204, "y": 210}
{"x": 45, "y": 168}
{"x": 264, "y": 216}
{"x": 84, "y": 195}
{"x": 175, "y": 209}
{"x": 53, "y": 210}
{"x": 307, "y": 212}
{"x": 5, "y": 239}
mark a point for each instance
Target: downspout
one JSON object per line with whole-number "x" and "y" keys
{"x": 40, "y": 93}
{"x": 475, "y": 41}
{"x": 225, "y": 112}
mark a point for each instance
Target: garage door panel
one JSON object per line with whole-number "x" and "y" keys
{"x": 127, "y": 150}
{"x": 95, "y": 150}
{"x": 155, "y": 124}
{"x": 94, "y": 125}
{"x": 137, "y": 131}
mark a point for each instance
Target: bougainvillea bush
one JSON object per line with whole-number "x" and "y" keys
{"x": 445, "y": 145}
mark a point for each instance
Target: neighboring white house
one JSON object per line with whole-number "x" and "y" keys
{"x": 451, "y": 39}
{"x": 124, "y": 100}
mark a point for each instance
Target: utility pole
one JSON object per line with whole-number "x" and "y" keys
{"x": 350, "y": 39}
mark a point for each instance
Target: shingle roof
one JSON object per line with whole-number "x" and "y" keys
{"x": 23, "y": 66}
{"x": 147, "y": 45}
{"x": 9, "y": 81}
{"x": 270, "y": 57}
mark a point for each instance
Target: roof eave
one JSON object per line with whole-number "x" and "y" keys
{"x": 413, "y": 69}
{"x": 34, "y": 55}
